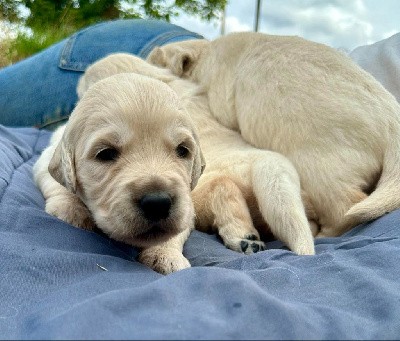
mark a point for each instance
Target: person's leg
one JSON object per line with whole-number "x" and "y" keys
{"x": 41, "y": 90}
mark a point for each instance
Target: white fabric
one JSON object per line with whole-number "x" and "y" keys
{"x": 382, "y": 60}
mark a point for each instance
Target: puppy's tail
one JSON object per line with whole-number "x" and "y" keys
{"x": 276, "y": 186}
{"x": 386, "y": 196}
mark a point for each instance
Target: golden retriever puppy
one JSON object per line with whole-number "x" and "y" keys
{"x": 119, "y": 63}
{"x": 244, "y": 191}
{"x": 336, "y": 124}
{"x": 126, "y": 162}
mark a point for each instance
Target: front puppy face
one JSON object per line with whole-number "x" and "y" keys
{"x": 130, "y": 153}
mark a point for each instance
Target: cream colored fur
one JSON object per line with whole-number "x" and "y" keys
{"x": 336, "y": 124}
{"x": 244, "y": 191}
{"x": 143, "y": 121}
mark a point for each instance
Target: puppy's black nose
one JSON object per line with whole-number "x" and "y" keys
{"x": 155, "y": 206}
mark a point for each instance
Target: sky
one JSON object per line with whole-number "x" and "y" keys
{"x": 343, "y": 24}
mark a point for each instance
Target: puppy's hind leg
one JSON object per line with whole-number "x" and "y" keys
{"x": 276, "y": 186}
{"x": 219, "y": 203}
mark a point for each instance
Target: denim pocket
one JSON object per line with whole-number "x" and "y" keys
{"x": 134, "y": 36}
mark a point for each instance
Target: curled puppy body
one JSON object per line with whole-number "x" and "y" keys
{"x": 244, "y": 191}
{"x": 117, "y": 165}
{"x": 337, "y": 125}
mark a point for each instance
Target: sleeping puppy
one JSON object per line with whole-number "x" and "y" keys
{"x": 336, "y": 124}
{"x": 244, "y": 191}
{"x": 126, "y": 162}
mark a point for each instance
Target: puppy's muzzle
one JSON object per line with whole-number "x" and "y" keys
{"x": 155, "y": 206}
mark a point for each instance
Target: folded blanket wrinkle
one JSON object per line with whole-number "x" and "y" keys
{"x": 51, "y": 280}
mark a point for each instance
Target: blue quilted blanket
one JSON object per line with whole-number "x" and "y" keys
{"x": 60, "y": 282}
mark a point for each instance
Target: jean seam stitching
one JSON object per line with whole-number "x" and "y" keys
{"x": 145, "y": 50}
{"x": 67, "y": 51}
{"x": 66, "y": 64}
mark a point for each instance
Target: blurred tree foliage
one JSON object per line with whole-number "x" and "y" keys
{"x": 79, "y": 13}
{"x": 49, "y": 21}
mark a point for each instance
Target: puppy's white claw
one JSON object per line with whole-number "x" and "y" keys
{"x": 164, "y": 261}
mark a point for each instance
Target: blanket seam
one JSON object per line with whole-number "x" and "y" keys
{"x": 34, "y": 149}
{"x": 9, "y": 181}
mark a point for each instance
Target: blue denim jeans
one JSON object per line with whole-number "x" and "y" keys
{"x": 40, "y": 91}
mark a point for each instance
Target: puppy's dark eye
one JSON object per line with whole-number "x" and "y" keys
{"x": 107, "y": 154}
{"x": 182, "y": 151}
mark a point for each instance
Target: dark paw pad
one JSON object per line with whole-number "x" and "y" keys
{"x": 255, "y": 247}
{"x": 251, "y": 246}
{"x": 244, "y": 245}
{"x": 251, "y": 237}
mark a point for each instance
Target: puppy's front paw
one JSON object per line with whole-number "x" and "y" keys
{"x": 163, "y": 260}
{"x": 70, "y": 210}
{"x": 247, "y": 245}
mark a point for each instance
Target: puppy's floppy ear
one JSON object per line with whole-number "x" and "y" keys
{"x": 62, "y": 167}
{"x": 199, "y": 164}
{"x": 178, "y": 60}
{"x": 181, "y": 62}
